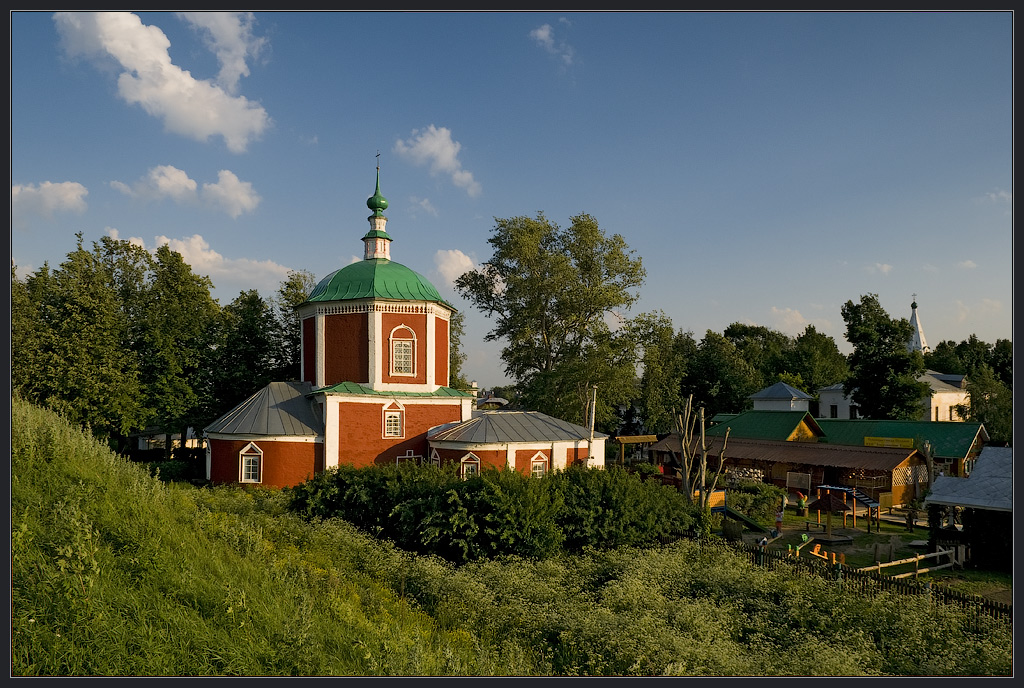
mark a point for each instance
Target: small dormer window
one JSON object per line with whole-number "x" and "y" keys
{"x": 250, "y": 464}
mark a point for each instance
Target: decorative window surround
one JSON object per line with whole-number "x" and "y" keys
{"x": 402, "y": 341}
{"x": 469, "y": 466}
{"x": 394, "y": 422}
{"x": 250, "y": 464}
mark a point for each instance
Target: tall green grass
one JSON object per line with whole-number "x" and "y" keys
{"x": 116, "y": 573}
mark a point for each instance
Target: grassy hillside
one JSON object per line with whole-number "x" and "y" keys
{"x": 116, "y": 573}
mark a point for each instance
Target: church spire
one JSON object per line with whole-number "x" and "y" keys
{"x": 376, "y": 242}
{"x": 917, "y": 341}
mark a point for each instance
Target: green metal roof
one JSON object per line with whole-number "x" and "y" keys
{"x": 375, "y": 278}
{"x": 762, "y": 425}
{"x": 356, "y": 388}
{"x": 950, "y": 439}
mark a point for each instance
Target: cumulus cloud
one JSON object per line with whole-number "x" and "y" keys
{"x": 234, "y": 273}
{"x": 967, "y": 264}
{"x": 114, "y": 234}
{"x": 190, "y": 107}
{"x": 230, "y": 37}
{"x": 434, "y": 146}
{"x": 228, "y": 193}
{"x": 544, "y": 36}
{"x": 231, "y": 194}
{"x": 29, "y": 200}
{"x": 451, "y": 264}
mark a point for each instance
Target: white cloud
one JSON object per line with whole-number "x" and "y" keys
{"x": 434, "y": 146}
{"x": 194, "y": 108}
{"x": 228, "y": 194}
{"x": 29, "y": 200}
{"x": 451, "y": 264}
{"x": 232, "y": 274}
{"x": 544, "y": 35}
{"x": 967, "y": 264}
{"x": 116, "y": 235}
{"x": 883, "y": 268}
{"x": 162, "y": 181}
{"x": 424, "y": 204}
{"x": 231, "y": 195}
{"x": 229, "y": 36}
{"x": 999, "y": 196}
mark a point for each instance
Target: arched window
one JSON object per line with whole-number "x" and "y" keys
{"x": 469, "y": 466}
{"x": 250, "y": 464}
{"x": 403, "y": 351}
{"x": 538, "y": 465}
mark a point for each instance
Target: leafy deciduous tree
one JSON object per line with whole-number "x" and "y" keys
{"x": 883, "y": 372}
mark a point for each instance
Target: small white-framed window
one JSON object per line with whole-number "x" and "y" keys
{"x": 538, "y": 465}
{"x": 250, "y": 464}
{"x": 435, "y": 458}
{"x": 394, "y": 423}
{"x": 403, "y": 351}
{"x": 469, "y": 467}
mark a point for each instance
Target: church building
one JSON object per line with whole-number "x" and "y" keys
{"x": 374, "y": 377}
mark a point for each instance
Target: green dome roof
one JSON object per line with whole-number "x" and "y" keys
{"x": 376, "y": 278}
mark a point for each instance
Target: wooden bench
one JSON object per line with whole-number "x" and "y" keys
{"x": 808, "y": 524}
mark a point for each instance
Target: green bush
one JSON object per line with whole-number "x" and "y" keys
{"x": 756, "y": 500}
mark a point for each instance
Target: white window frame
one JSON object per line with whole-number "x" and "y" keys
{"x": 409, "y": 455}
{"x": 394, "y": 342}
{"x": 250, "y": 451}
{"x": 469, "y": 466}
{"x": 435, "y": 458}
{"x": 539, "y": 459}
{"x": 390, "y": 413}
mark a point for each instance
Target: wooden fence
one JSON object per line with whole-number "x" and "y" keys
{"x": 870, "y": 583}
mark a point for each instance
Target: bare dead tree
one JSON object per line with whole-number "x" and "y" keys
{"x": 694, "y": 456}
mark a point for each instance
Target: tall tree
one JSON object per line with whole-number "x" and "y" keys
{"x": 294, "y": 290}
{"x": 178, "y": 314}
{"x": 27, "y": 331}
{"x": 549, "y": 290}
{"x": 720, "y": 379}
{"x": 816, "y": 358}
{"x": 991, "y": 404}
{"x": 883, "y": 372}
{"x": 666, "y": 358}
{"x": 248, "y": 350}
{"x": 84, "y": 369}
{"x": 766, "y": 350}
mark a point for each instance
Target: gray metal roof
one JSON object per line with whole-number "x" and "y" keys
{"x": 780, "y": 390}
{"x": 279, "y": 409}
{"x": 499, "y": 427}
{"x": 989, "y": 486}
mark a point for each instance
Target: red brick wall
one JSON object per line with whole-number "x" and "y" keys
{"x": 347, "y": 347}
{"x": 285, "y": 464}
{"x": 442, "y": 358}
{"x": 361, "y": 440}
{"x": 309, "y": 350}
{"x": 417, "y": 322}
{"x": 524, "y": 459}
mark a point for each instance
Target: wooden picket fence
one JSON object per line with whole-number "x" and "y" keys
{"x": 869, "y": 582}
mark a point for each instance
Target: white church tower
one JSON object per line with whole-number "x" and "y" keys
{"x": 917, "y": 341}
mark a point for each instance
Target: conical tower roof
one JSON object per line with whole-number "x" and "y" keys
{"x": 917, "y": 341}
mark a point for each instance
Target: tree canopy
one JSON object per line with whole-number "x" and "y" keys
{"x": 550, "y": 292}
{"x": 884, "y": 373}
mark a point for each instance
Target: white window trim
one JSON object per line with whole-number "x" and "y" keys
{"x": 392, "y": 341}
{"x": 409, "y": 455}
{"x": 540, "y": 458}
{"x": 250, "y": 450}
{"x": 435, "y": 458}
{"x": 393, "y": 409}
{"x": 469, "y": 459}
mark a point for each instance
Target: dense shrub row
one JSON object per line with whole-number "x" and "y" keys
{"x": 431, "y": 510}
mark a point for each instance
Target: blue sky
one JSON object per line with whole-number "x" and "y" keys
{"x": 766, "y": 167}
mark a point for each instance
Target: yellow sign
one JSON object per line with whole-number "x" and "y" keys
{"x": 902, "y": 442}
